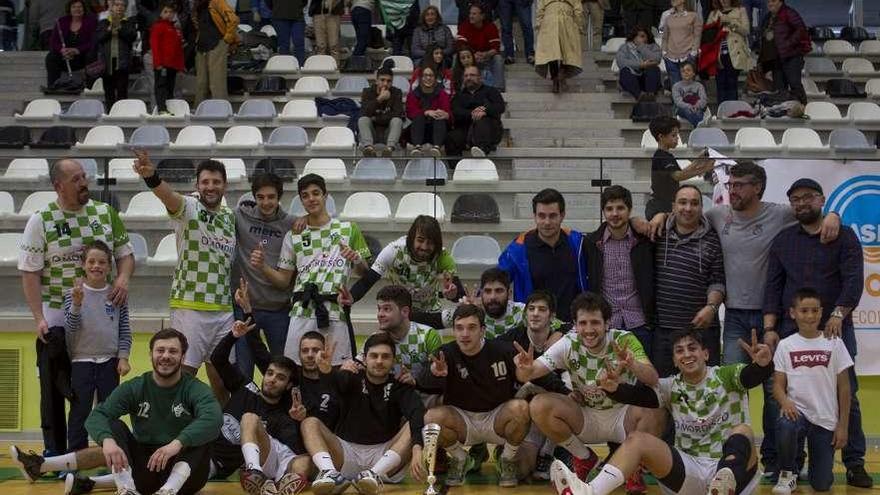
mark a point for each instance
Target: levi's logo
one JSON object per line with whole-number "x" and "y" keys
{"x": 809, "y": 359}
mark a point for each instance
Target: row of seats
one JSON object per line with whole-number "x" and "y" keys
{"x": 864, "y": 112}
{"x": 854, "y": 66}
{"x": 319, "y": 64}
{"x": 759, "y": 138}
{"x": 843, "y": 47}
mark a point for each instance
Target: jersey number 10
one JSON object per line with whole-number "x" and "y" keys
{"x": 499, "y": 368}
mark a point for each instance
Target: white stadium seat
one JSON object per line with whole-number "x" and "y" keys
{"x": 823, "y": 111}
{"x": 857, "y": 65}
{"x": 613, "y": 45}
{"x": 334, "y": 138}
{"x": 127, "y": 110}
{"x": 366, "y": 206}
{"x": 40, "y": 109}
{"x": 242, "y": 136}
{"x": 311, "y": 86}
{"x": 331, "y": 169}
{"x": 420, "y": 203}
{"x": 166, "y": 252}
{"x": 195, "y": 137}
{"x": 145, "y": 204}
{"x": 281, "y": 64}
{"x": 319, "y": 64}
{"x": 866, "y": 112}
{"x": 402, "y": 64}
{"x": 235, "y": 168}
{"x": 476, "y": 252}
{"x": 9, "y": 248}
{"x": 802, "y": 139}
{"x": 872, "y": 87}
{"x": 37, "y": 201}
{"x": 475, "y": 170}
{"x": 27, "y": 168}
{"x": 869, "y": 47}
{"x": 299, "y": 110}
{"x": 7, "y": 204}
{"x": 838, "y": 47}
{"x": 754, "y": 138}
{"x": 102, "y": 137}
{"x": 122, "y": 169}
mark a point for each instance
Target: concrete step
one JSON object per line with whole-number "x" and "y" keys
{"x": 544, "y": 169}
{"x": 561, "y": 114}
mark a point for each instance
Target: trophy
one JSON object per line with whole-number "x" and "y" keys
{"x": 430, "y": 437}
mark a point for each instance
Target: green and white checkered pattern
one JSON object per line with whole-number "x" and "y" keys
{"x": 510, "y": 319}
{"x": 419, "y": 343}
{"x": 315, "y": 256}
{"x": 423, "y": 279}
{"x": 705, "y": 413}
{"x": 65, "y": 235}
{"x": 205, "y": 250}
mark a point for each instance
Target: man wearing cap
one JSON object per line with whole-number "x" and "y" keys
{"x": 798, "y": 259}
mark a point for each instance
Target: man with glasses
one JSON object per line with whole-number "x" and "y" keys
{"x": 835, "y": 269}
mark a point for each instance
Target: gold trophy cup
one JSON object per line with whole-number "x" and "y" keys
{"x": 430, "y": 437}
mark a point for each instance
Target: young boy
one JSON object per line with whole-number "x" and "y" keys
{"x": 812, "y": 387}
{"x": 98, "y": 340}
{"x": 665, "y": 172}
{"x": 689, "y": 96}
{"x": 166, "y": 43}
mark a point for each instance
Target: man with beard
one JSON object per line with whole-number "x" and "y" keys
{"x": 174, "y": 418}
{"x": 476, "y": 111}
{"x": 201, "y": 294}
{"x": 51, "y": 250}
{"x": 798, "y": 259}
{"x": 317, "y": 396}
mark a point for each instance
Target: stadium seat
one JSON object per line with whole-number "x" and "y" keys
{"x": 823, "y": 111}
{"x": 402, "y": 84}
{"x": 150, "y": 136}
{"x": 7, "y": 206}
{"x": 476, "y": 252}
{"x": 334, "y": 138}
{"x": 256, "y": 110}
{"x": 90, "y": 167}
{"x": 245, "y": 28}
{"x": 475, "y": 208}
{"x": 319, "y": 64}
{"x": 288, "y": 137}
{"x": 122, "y": 169}
{"x": 84, "y": 108}
{"x": 728, "y": 108}
{"x": 374, "y": 170}
{"x": 310, "y": 86}
{"x": 40, "y": 109}
{"x": 282, "y": 167}
{"x": 15, "y": 136}
{"x": 869, "y": 47}
{"x": 102, "y": 137}
{"x": 299, "y": 110}
{"x": 403, "y": 65}
{"x": 331, "y": 169}
{"x": 838, "y": 47}
{"x": 350, "y": 86}
{"x": 97, "y": 88}
{"x": 863, "y": 112}
{"x": 281, "y": 64}
{"x": 27, "y": 168}
{"x": 420, "y": 203}
{"x": 58, "y": 136}
{"x": 297, "y": 210}
{"x": 145, "y": 204}
{"x": 366, "y": 207}
{"x": 812, "y": 89}
{"x": 270, "y": 85}
{"x": 139, "y": 246}
{"x": 37, "y": 201}
{"x": 708, "y": 137}
{"x": 418, "y": 170}
{"x": 849, "y": 139}
{"x": 648, "y": 141}
{"x": 166, "y": 252}
{"x": 872, "y": 87}
{"x": 476, "y": 170}
{"x": 127, "y": 110}
{"x": 213, "y": 110}
{"x": 269, "y": 30}
{"x": 820, "y": 66}
{"x": 615, "y": 69}
{"x": 754, "y": 138}
{"x": 195, "y": 137}
{"x": 236, "y": 170}
{"x": 240, "y": 137}
{"x": 9, "y": 248}
{"x": 176, "y": 169}
{"x": 802, "y": 139}
{"x": 613, "y": 45}
{"x": 858, "y": 65}
{"x": 179, "y": 110}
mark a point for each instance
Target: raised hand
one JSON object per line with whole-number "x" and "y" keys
{"x": 297, "y": 409}
{"x": 324, "y": 359}
{"x": 76, "y": 294}
{"x": 241, "y": 328}
{"x": 624, "y": 355}
{"x": 258, "y": 258}
{"x": 524, "y": 359}
{"x": 609, "y": 378}
{"x": 350, "y": 254}
{"x": 759, "y": 353}
{"x": 438, "y": 365}
{"x": 472, "y": 296}
{"x": 242, "y": 296}
{"x": 450, "y": 290}
{"x": 142, "y": 164}
{"x": 344, "y": 297}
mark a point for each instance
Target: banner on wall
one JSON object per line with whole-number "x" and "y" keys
{"x": 852, "y": 190}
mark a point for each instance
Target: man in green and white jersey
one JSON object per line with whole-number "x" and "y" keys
{"x": 714, "y": 448}
{"x": 322, "y": 257}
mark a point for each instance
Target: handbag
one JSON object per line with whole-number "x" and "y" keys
{"x": 757, "y": 83}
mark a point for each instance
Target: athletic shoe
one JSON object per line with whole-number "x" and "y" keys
{"x": 328, "y": 482}
{"x": 724, "y": 483}
{"x": 435, "y": 152}
{"x": 506, "y": 472}
{"x": 457, "y": 470}
{"x": 255, "y": 482}
{"x": 479, "y": 454}
{"x": 509, "y": 61}
{"x": 127, "y": 491}
{"x": 635, "y": 484}
{"x": 28, "y": 463}
{"x": 857, "y": 477}
{"x": 787, "y": 483}
{"x": 387, "y": 151}
{"x": 542, "y": 467}
{"x": 77, "y": 485}
{"x": 165, "y": 491}
{"x": 369, "y": 151}
{"x": 582, "y": 467}
{"x": 566, "y": 482}
{"x": 291, "y": 484}
{"x": 367, "y": 482}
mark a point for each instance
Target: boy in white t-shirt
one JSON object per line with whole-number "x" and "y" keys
{"x": 812, "y": 388}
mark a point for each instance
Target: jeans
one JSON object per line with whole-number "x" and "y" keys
{"x": 274, "y": 325}
{"x": 368, "y": 131}
{"x": 165, "y": 81}
{"x": 789, "y": 443}
{"x": 426, "y": 130}
{"x": 496, "y": 67}
{"x": 523, "y": 11}
{"x": 291, "y": 31}
{"x": 787, "y": 74}
{"x": 727, "y": 80}
{"x": 648, "y": 81}
{"x": 86, "y": 378}
{"x": 694, "y": 117}
{"x": 115, "y": 87}
{"x": 362, "y": 19}
{"x": 673, "y": 69}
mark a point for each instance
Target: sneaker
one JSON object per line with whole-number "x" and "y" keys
{"x": 566, "y": 482}
{"x": 479, "y": 454}
{"x": 542, "y": 467}
{"x": 530, "y": 59}
{"x": 506, "y": 472}
{"x": 724, "y": 483}
{"x": 477, "y": 152}
{"x": 29, "y": 463}
{"x": 165, "y": 113}
{"x": 77, "y": 485}
{"x": 582, "y": 467}
{"x": 457, "y": 470}
{"x": 509, "y": 61}
{"x": 416, "y": 152}
{"x": 635, "y": 484}
{"x": 369, "y": 151}
{"x": 804, "y": 473}
{"x": 255, "y": 482}
{"x": 857, "y": 477}
{"x": 291, "y": 484}
{"x": 165, "y": 491}
{"x": 786, "y": 484}
{"x": 328, "y": 482}
{"x": 435, "y": 152}
{"x": 387, "y": 151}
{"x": 127, "y": 491}
{"x": 367, "y": 482}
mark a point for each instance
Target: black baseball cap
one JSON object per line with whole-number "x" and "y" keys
{"x": 805, "y": 182}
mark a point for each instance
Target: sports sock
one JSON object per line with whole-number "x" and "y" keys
{"x": 389, "y": 460}
{"x": 323, "y": 461}
{"x": 63, "y": 462}
{"x": 509, "y": 451}
{"x": 251, "y": 453}
{"x": 457, "y": 451}
{"x": 123, "y": 479}
{"x": 577, "y": 448}
{"x": 178, "y": 476}
{"x": 103, "y": 481}
{"x": 608, "y": 479}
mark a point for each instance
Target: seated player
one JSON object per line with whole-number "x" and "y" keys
{"x": 714, "y": 449}
{"x": 317, "y": 395}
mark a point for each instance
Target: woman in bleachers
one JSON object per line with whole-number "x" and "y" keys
{"x": 639, "y": 63}
{"x": 680, "y": 28}
{"x": 437, "y": 62}
{"x": 735, "y": 55}
{"x": 464, "y": 58}
{"x": 431, "y": 32}
{"x": 561, "y": 26}
{"x": 72, "y": 40}
{"x": 784, "y": 42}
{"x": 429, "y": 108}
{"x": 115, "y": 37}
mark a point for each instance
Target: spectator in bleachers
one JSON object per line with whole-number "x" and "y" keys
{"x": 755, "y": 17}
{"x": 217, "y": 31}
{"x": 639, "y": 63}
{"x": 735, "y": 55}
{"x": 431, "y": 33}
{"x": 71, "y": 40}
{"x": 8, "y": 26}
{"x": 784, "y": 42}
{"x": 680, "y": 28}
{"x": 42, "y": 16}
{"x": 689, "y": 96}
{"x": 115, "y": 37}
{"x": 560, "y": 26}
{"x": 166, "y": 43}
{"x": 437, "y": 62}
{"x": 464, "y": 58}
{"x": 482, "y": 37}
{"x": 401, "y": 18}
{"x": 523, "y": 11}
{"x": 290, "y": 26}
{"x": 362, "y": 20}
{"x": 476, "y": 112}
{"x": 665, "y": 172}
{"x": 326, "y": 21}
{"x": 637, "y": 13}
{"x": 595, "y": 11}
{"x": 428, "y": 107}
{"x": 382, "y": 112}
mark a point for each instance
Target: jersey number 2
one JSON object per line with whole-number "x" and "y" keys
{"x": 499, "y": 368}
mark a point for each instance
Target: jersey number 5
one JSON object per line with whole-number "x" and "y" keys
{"x": 499, "y": 368}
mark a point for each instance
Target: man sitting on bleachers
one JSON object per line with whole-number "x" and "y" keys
{"x": 382, "y": 112}
{"x": 483, "y": 38}
{"x": 476, "y": 111}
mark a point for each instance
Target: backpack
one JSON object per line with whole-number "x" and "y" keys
{"x": 855, "y": 34}
{"x": 822, "y": 33}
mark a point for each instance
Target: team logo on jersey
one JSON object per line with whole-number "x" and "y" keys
{"x": 179, "y": 410}
{"x": 231, "y": 429}
{"x": 97, "y": 228}
{"x": 109, "y": 309}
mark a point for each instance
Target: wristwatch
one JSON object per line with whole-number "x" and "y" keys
{"x": 837, "y": 313}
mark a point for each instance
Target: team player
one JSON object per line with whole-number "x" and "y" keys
{"x": 714, "y": 448}
{"x": 318, "y": 261}
{"x": 479, "y": 384}
{"x": 380, "y": 429}
{"x": 317, "y": 395}
{"x": 584, "y": 354}
{"x": 201, "y": 294}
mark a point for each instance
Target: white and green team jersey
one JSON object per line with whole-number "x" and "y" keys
{"x": 205, "y": 251}
{"x": 53, "y": 242}
{"x": 417, "y": 345}
{"x": 570, "y": 354}
{"x": 421, "y": 278}
{"x": 704, "y": 413}
{"x": 314, "y": 254}
{"x": 511, "y": 318}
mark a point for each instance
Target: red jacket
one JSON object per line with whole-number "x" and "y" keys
{"x": 166, "y": 44}
{"x": 480, "y": 39}
{"x": 440, "y": 101}
{"x": 789, "y": 33}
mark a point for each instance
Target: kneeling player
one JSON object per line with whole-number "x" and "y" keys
{"x": 714, "y": 446}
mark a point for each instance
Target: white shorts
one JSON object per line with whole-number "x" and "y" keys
{"x": 359, "y": 457}
{"x": 480, "y": 426}
{"x": 698, "y": 473}
{"x": 603, "y": 425}
{"x": 535, "y": 437}
{"x": 278, "y": 459}
{"x": 203, "y": 331}
{"x": 337, "y": 332}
